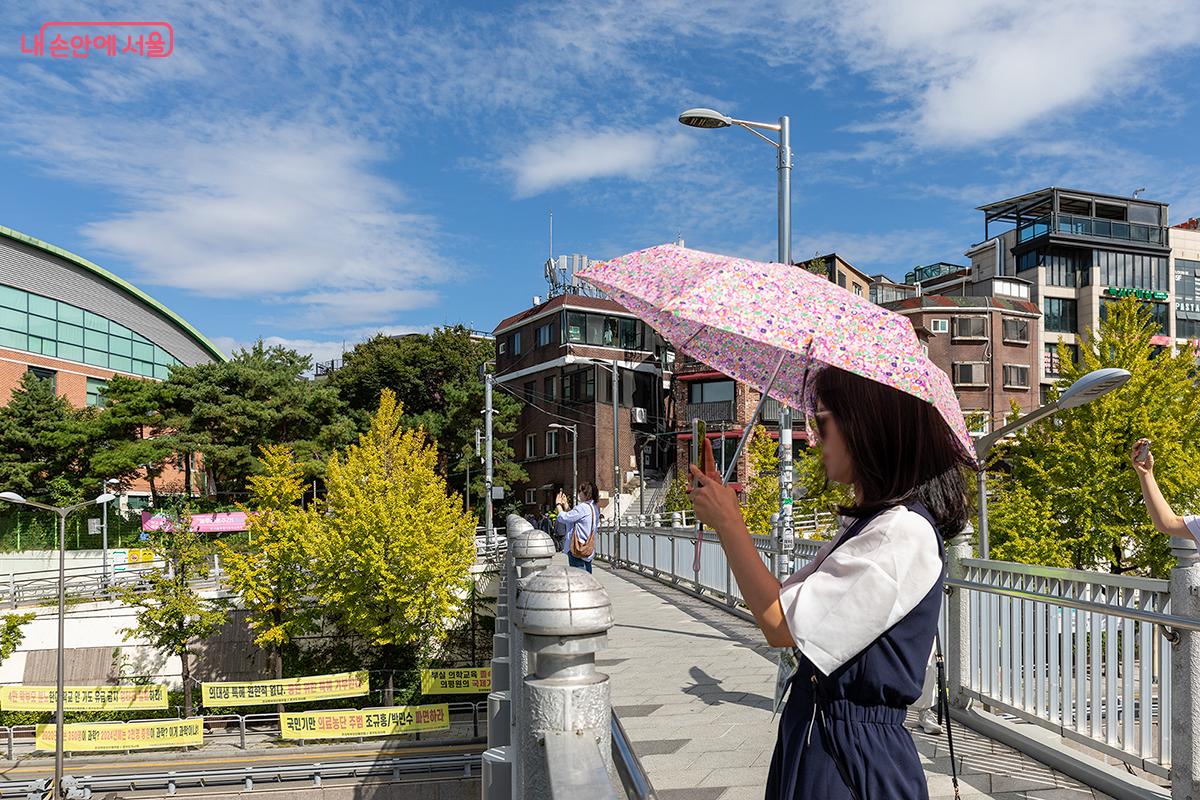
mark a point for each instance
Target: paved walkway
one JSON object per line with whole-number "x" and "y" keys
{"x": 693, "y": 687}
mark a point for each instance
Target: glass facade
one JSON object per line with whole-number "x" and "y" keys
{"x": 1133, "y": 271}
{"x": 1060, "y": 315}
{"x": 605, "y": 331}
{"x": 1187, "y": 299}
{"x": 1161, "y": 313}
{"x": 37, "y": 324}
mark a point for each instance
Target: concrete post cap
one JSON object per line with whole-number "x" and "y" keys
{"x": 516, "y": 524}
{"x": 531, "y": 544}
{"x": 563, "y": 601}
{"x": 1184, "y": 549}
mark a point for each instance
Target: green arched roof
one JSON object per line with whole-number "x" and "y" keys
{"x": 120, "y": 283}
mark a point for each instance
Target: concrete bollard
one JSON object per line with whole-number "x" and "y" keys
{"x": 564, "y": 615}
{"x": 1185, "y": 673}
{"x": 958, "y": 619}
{"x": 532, "y": 552}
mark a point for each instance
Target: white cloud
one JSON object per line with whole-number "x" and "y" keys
{"x": 574, "y": 156}
{"x": 320, "y": 350}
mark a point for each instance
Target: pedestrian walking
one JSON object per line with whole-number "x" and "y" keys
{"x": 927, "y": 719}
{"x": 1161, "y": 514}
{"x": 578, "y": 526}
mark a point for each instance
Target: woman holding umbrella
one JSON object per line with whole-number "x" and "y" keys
{"x": 861, "y": 616}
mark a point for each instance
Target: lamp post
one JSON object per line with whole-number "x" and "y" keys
{"x": 1091, "y": 386}
{"x": 616, "y": 391}
{"x": 63, "y": 513}
{"x": 104, "y": 528}
{"x": 574, "y": 431}
{"x": 707, "y": 118}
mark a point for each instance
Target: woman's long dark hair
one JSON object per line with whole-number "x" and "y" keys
{"x": 901, "y": 449}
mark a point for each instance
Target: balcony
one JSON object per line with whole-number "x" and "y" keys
{"x": 721, "y": 411}
{"x": 1074, "y": 225}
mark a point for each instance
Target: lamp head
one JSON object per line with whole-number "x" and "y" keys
{"x": 704, "y": 118}
{"x": 107, "y": 497}
{"x": 1093, "y": 385}
{"x": 12, "y": 497}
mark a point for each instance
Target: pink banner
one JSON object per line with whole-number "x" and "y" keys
{"x": 218, "y": 522}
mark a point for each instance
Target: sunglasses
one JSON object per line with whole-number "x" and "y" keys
{"x": 819, "y": 419}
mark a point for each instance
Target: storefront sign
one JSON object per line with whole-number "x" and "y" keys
{"x": 101, "y": 736}
{"x": 367, "y": 722}
{"x": 287, "y": 690}
{"x": 1140, "y": 294}
{"x": 83, "y": 698}
{"x": 456, "y": 681}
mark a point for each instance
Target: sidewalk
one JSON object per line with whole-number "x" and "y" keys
{"x": 693, "y": 687}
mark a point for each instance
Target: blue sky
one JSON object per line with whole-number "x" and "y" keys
{"x": 312, "y": 172}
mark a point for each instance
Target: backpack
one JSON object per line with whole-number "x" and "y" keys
{"x": 585, "y": 550}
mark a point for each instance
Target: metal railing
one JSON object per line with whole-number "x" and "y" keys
{"x": 88, "y": 582}
{"x": 1087, "y": 655}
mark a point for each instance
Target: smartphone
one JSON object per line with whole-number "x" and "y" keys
{"x": 1142, "y": 451}
{"x": 699, "y": 434}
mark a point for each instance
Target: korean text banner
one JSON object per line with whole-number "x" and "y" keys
{"x": 368, "y": 722}
{"x": 101, "y": 736}
{"x": 456, "y": 681}
{"x": 287, "y": 690}
{"x": 83, "y": 698}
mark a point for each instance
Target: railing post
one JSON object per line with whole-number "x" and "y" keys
{"x": 532, "y": 551}
{"x": 1185, "y": 673}
{"x": 956, "y": 648}
{"x": 564, "y": 615}
{"x": 497, "y": 772}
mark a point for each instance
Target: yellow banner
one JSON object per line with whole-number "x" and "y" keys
{"x": 83, "y": 698}
{"x": 100, "y": 736}
{"x": 367, "y": 722}
{"x": 456, "y": 681}
{"x": 287, "y": 690}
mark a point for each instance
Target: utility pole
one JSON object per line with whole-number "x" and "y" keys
{"x": 786, "y": 538}
{"x": 487, "y": 459}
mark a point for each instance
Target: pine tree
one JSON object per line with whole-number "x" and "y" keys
{"x": 392, "y": 559}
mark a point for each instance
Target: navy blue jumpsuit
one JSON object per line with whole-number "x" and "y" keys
{"x": 865, "y": 702}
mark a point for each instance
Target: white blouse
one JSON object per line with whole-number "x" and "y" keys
{"x": 841, "y": 602}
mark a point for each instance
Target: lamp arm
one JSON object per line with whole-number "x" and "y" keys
{"x": 984, "y": 445}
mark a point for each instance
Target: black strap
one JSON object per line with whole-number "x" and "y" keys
{"x": 943, "y": 708}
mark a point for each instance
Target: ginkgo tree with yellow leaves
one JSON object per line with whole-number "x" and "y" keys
{"x": 272, "y": 579}
{"x": 391, "y": 557}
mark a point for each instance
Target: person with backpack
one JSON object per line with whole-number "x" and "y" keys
{"x": 578, "y": 526}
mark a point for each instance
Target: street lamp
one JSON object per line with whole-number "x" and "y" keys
{"x": 1091, "y": 386}
{"x": 614, "y": 368}
{"x": 63, "y": 513}
{"x": 574, "y": 430}
{"x": 708, "y": 118}
{"x": 113, "y": 482}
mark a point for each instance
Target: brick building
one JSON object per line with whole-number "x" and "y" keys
{"x": 73, "y": 323}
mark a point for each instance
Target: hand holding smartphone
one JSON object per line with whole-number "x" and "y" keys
{"x": 699, "y": 435}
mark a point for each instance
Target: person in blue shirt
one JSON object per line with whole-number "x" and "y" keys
{"x": 579, "y": 525}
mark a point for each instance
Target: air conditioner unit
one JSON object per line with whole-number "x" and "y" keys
{"x": 639, "y": 416}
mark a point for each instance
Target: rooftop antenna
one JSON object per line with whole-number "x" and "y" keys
{"x": 550, "y": 254}
{"x": 1136, "y": 192}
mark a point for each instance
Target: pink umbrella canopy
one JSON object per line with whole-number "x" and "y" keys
{"x": 747, "y": 318}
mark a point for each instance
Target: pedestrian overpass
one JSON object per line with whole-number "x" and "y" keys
{"x": 650, "y": 679}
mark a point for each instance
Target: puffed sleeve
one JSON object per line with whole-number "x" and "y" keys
{"x": 862, "y": 588}
{"x": 1193, "y": 526}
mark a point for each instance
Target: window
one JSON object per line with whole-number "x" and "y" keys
{"x": 609, "y": 337}
{"x": 841, "y": 279}
{"x": 858, "y": 290}
{"x": 1133, "y": 271}
{"x": 1016, "y": 330}
{"x": 530, "y": 446}
{"x": 576, "y": 327}
{"x": 1016, "y": 376}
{"x": 531, "y": 497}
{"x": 544, "y": 333}
{"x": 1053, "y": 364}
{"x": 551, "y": 443}
{"x": 970, "y": 374}
{"x": 551, "y": 387}
{"x": 970, "y": 327}
{"x": 95, "y": 392}
{"x": 516, "y": 343}
{"x": 1060, "y": 314}
{"x": 503, "y": 345}
{"x": 632, "y": 335}
{"x": 579, "y": 386}
{"x": 1158, "y": 311}
{"x": 530, "y": 389}
{"x": 939, "y": 325}
{"x": 45, "y": 375}
{"x": 711, "y": 392}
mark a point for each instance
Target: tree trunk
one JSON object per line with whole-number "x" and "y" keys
{"x": 277, "y": 653}
{"x": 187, "y": 685}
{"x": 187, "y": 473}
{"x": 389, "y": 662}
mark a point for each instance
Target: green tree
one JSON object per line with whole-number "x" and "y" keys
{"x": 817, "y": 494}
{"x": 272, "y": 578}
{"x": 1024, "y": 528}
{"x": 11, "y": 634}
{"x": 762, "y": 491}
{"x": 436, "y": 380}
{"x": 392, "y": 559}
{"x": 1077, "y": 463}
{"x": 677, "y": 498}
{"x": 229, "y": 410}
{"x": 171, "y": 612}
{"x": 127, "y": 437}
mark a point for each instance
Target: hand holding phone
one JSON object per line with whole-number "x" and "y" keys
{"x": 699, "y": 436}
